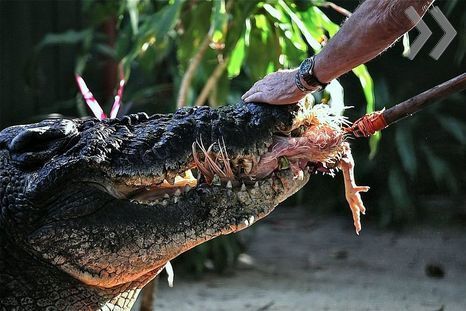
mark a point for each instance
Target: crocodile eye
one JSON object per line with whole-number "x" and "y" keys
{"x": 38, "y": 136}
{"x": 39, "y": 142}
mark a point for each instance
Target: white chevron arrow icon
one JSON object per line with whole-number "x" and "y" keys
{"x": 450, "y": 33}
{"x": 425, "y": 33}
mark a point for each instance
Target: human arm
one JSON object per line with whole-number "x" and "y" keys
{"x": 373, "y": 27}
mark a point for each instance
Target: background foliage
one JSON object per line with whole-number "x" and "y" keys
{"x": 184, "y": 53}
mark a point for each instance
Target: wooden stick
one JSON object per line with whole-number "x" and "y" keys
{"x": 376, "y": 121}
{"x": 419, "y": 102}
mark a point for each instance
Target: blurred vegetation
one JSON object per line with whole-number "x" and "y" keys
{"x": 196, "y": 52}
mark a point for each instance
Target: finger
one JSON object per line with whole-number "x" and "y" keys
{"x": 256, "y": 97}
{"x": 255, "y": 88}
{"x": 248, "y": 93}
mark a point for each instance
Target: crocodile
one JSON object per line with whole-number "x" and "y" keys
{"x": 92, "y": 210}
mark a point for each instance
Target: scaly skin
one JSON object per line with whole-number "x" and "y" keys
{"x": 72, "y": 238}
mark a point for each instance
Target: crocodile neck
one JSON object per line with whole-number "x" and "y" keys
{"x": 27, "y": 283}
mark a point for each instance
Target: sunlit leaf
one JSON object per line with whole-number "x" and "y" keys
{"x": 133, "y": 12}
{"x": 286, "y": 27}
{"x": 264, "y": 49}
{"x": 325, "y": 22}
{"x": 315, "y": 45}
{"x": 317, "y": 22}
{"x": 368, "y": 88}
{"x": 236, "y": 59}
{"x": 218, "y": 21}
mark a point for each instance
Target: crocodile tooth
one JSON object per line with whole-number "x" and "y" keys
{"x": 166, "y": 196}
{"x": 189, "y": 175}
{"x": 243, "y": 187}
{"x": 246, "y": 222}
{"x": 256, "y": 184}
{"x": 175, "y": 200}
{"x": 301, "y": 175}
{"x": 216, "y": 181}
{"x": 251, "y": 220}
{"x": 187, "y": 188}
{"x": 229, "y": 185}
{"x": 165, "y": 202}
{"x": 178, "y": 192}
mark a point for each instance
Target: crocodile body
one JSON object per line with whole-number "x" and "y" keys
{"x": 93, "y": 210}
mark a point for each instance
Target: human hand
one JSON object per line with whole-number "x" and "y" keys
{"x": 277, "y": 88}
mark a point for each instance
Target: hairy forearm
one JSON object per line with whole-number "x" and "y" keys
{"x": 374, "y": 26}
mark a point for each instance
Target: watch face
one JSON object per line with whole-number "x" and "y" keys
{"x": 304, "y": 67}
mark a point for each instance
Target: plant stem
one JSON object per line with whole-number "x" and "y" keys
{"x": 188, "y": 76}
{"x": 420, "y": 101}
{"x": 337, "y": 8}
{"x": 211, "y": 82}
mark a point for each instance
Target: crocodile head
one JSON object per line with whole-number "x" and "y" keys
{"x": 111, "y": 202}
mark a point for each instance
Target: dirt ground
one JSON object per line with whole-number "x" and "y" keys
{"x": 298, "y": 263}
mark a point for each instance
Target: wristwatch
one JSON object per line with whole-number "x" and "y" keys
{"x": 306, "y": 72}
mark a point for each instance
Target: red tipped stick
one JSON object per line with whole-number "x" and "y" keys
{"x": 376, "y": 121}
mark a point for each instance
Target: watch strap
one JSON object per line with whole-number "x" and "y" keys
{"x": 306, "y": 71}
{"x": 299, "y": 84}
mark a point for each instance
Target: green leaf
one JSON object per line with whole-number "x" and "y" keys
{"x": 133, "y": 14}
{"x": 196, "y": 24}
{"x": 158, "y": 25}
{"x": 106, "y": 50}
{"x": 374, "y": 144}
{"x": 152, "y": 39}
{"x": 218, "y": 21}
{"x": 240, "y": 13}
{"x": 263, "y": 48}
{"x": 440, "y": 169}
{"x": 317, "y": 22}
{"x": 454, "y": 126}
{"x": 315, "y": 45}
{"x": 405, "y": 146}
{"x": 325, "y": 22}
{"x": 398, "y": 190}
{"x": 368, "y": 88}
{"x": 68, "y": 37}
{"x": 286, "y": 27}
{"x": 236, "y": 59}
